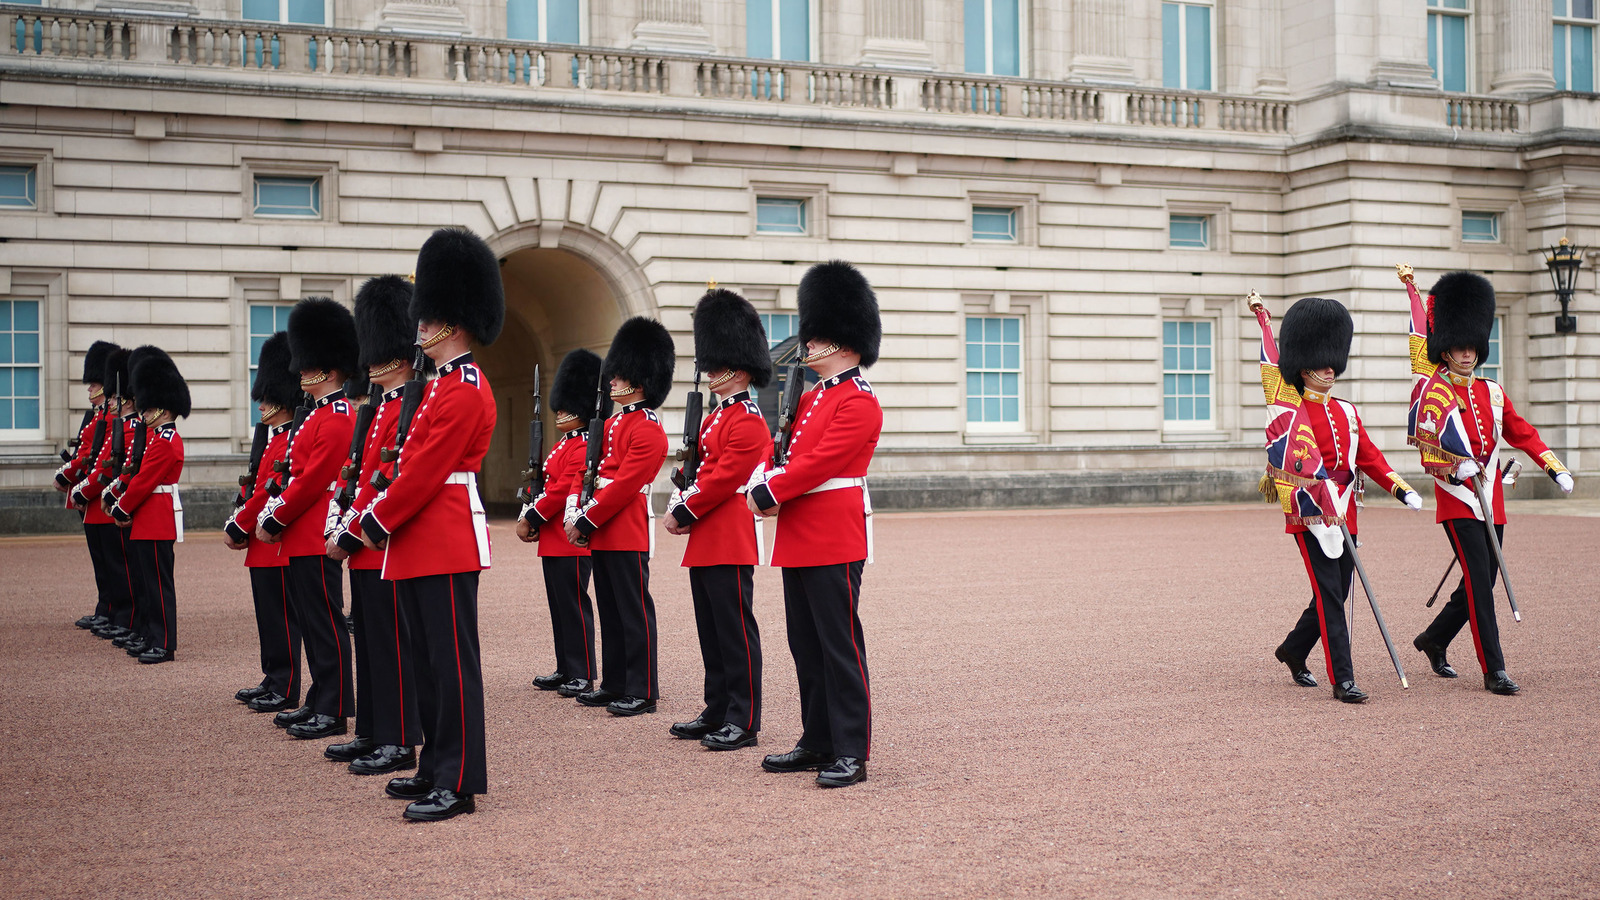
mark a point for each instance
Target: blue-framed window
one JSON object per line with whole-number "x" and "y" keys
{"x": 780, "y": 327}
{"x": 19, "y": 187}
{"x": 778, "y": 29}
{"x": 266, "y": 319}
{"x": 19, "y": 365}
{"x": 1189, "y": 232}
{"x": 992, "y": 37}
{"x": 1449, "y": 42}
{"x": 279, "y": 195}
{"x": 1491, "y": 367}
{"x": 994, "y": 223}
{"x": 1573, "y": 42}
{"x": 1187, "y": 357}
{"x": 549, "y": 21}
{"x": 288, "y": 12}
{"x": 1187, "y": 44}
{"x": 780, "y": 215}
{"x": 994, "y": 370}
{"x": 1480, "y": 227}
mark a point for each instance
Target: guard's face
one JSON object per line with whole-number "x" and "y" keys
{"x": 97, "y": 391}
{"x": 1318, "y": 379}
{"x": 427, "y": 330}
{"x": 1462, "y": 359}
{"x": 621, "y": 387}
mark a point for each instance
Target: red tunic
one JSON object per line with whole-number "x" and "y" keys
{"x": 1331, "y": 420}
{"x": 100, "y": 475}
{"x": 241, "y": 526}
{"x": 733, "y": 444}
{"x": 300, "y": 513}
{"x": 840, "y": 420}
{"x": 75, "y": 468}
{"x": 428, "y": 520}
{"x": 618, "y": 518}
{"x": 161, "y": 466}
{"x": 563, "y": 477}
{"x": 1480, "y": 400}
{"x": 385, "y": 422}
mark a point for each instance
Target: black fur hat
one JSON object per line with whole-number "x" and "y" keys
{"x": 458, "y": 282}
{"x": 157, "y": 384}
{"x": 837, "y": 304}
{"x": 728, "y": 335}
{"x": 1315, "y": 334}
{"x": 276, "y": 383}
{"x": 1460, "y": 314}
{"x": 574, "y": 389}
{"x": 116, "y": 372}
{"x": 385, "y": 327}
{"x": 94, "y": 362}
{"x": 643, "y": 354}
{"x": 322, "y": 336}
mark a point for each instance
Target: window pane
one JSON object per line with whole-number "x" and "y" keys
{"x": 974, "y": 384}
{"x": 974, "y": 38}
{"x": 1188, "y": 232}
{"x": 1202, "y": 333}
{"x": 991, "y": 330}
{"x": 794, "y": 29}
{"x": 1185, "y": 385}
{"x": 1197, "y": 40}
{"x": 991, "y": 356}
{"x": 1559, "y": 7}
{"x": 780, "y": 215}
{"x": 1171, "y": 61}
{"x": 522, "y": 20}
{"x": 5, "y": 315}
{"x": 1454, "y": 39}
{"x": 1582, "y": 59}
{"x": 5, "y": 382}
{"x": 1558, "y": 41}
{"x": 1007, "y": 40}
{"x": 1013, "y": 356}
{"x": 562, "y": 22}
{"x": 1202, "y": 407}
{"x": 263, "y": 10}
{"x": 1433, "y": 42}
{"x": 1012, "y": 330}
{"x": 26, "y": 348}
{"x": 1169, "y": 332}
{"x": 1186, "y": 334}
{"x": 1185, "y": 409}
{"x": 990, "y": 223}
{"x": 1169, "y": 385}
{"x": 25, "y": 382}
{"x": 1480, "y": 227}
{"x": 1169, "y": 408}
{"x": 281, "y": 196}
{"x": 1010, "y": 410}
{"x": 1186, "y": 357}
{"x": 991, "y": 409}
{"x": 1583, "y": 9}
{"x": 25, "y": 315}
{"x": 1454, "y": 4}
{"x": 1202, "y": 354}
{"x": 758, "y": 28}
{"x": 1169, "y": 355}
{"x": 5, "y": 413}
{"x": 974, "y": 409}
{"x": 1009, "y": 386}
{"x": 991, "y": 384}
{"x": 307, "y": 12}
{"x": 260, "y": 319}
{"x": 19, "y": 186}
{"x": 5, "y": 355}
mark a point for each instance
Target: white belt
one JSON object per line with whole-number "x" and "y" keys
{"x": 839, "y": 484}
{"x": 177, "y": 506}
{"x": 480, "y": 521}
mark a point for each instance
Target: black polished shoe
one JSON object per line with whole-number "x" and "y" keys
{"x": 125, "y": 638}
{"x": 440, "y": 805}
{"x": 843, "y": 772}
{"x": 413, "y": 788}
{"x": 385, "y": 758}
{"x": 729, "y": 737}
{"x": 292, "y": 717}
{"x": 575, "y": 687}
{"x": 108, "y": 632}
{"x": 271, "y": 701}
{"x": 599, "y": 697}
{"x": 350, "y": 750}
{"x": 245, "y": 695}
{"x": 1297, "y": 668}
{"x": 136, "y": 648}
{"x": 156, "y": 655}
{"x": 550, "y": 682}
{"x": 319, "y": 726}
{"x": 92, "y": 620}
{"x": 1347, "y": 692}
{"x": 1498, "y": 682}
{"x": 797, "y": 760}
{"x": 631, "y": 706}
{"x": 1435, "y": 654}
{"x": 693, "y": 731}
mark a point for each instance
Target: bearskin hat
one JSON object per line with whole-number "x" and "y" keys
{"x": 837, "y": 304}
{"x": 1315, "y": 334}
{"x": 385, "y": 328}
{"x": 94, "y": 362}
{"x": 276, "y": 383}
{"x": 157, "y": 384}
{"x": 116, "y": 372}
{"x": 576, "y": 379}
{"x": 728, "y": 335}
{"x": 1460, "y": 314}
{"x": 642, "y": 353}
{"x": 458, "y": 282}
{"x": 322, "y": 336}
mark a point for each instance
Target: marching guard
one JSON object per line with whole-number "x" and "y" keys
{"x": 824, "y": 536}
{"x": 85, "y": 495}
{"x": 429, "y": 521}
{"x": 76, "y": 463}
{"x": 613, "y": 516}
{"x": 731, "y": 349}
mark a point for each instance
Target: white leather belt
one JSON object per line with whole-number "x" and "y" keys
{"x": 480, "y": 521}
{"x": 839, "y": 484}
{"x": 177, "y": 506}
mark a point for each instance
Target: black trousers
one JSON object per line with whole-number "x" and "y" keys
{"x": 1324, "y": 618}
{"x": 150, "y": 565}
{"x": 1473, "y": 599}
{"x": 386, "y": 692}
{"x": 102, "y": 591}
{"x": 627, "y": 622}
{"x": 566, "y": 589}
{"x": 316, "y": 589}
{"x": 730, "y": 643}
{"x": 442, "y": 613}
{"x": 110, "y": 544}
{"x": 822, "y": 607}
{"x": 278, "y": 630}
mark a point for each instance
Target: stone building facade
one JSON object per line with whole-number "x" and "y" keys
{"x": 1060, "y": 204}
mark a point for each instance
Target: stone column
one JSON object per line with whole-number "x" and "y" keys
{"x": 1270, "y": 77}
{"x": 1100, "y": 43}
{"x": 1523, "y": 59}
{"x": 895, "y": 35}
{"x": 423, "y": 17}
{"x": 671, "y": 25}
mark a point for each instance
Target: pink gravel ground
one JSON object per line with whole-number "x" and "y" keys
{"x": 1068, "y": 703}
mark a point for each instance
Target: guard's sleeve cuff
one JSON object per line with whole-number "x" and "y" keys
{"x": 272, "y": 526}
{"x": 683, "y": 514}
{"x": 763, "y": 496}
{"x": 121, "y": 516}
{"x": 234, "y": 532}
{"x": 531, "y": 513}
{"x": 63, "y": 480}
{"x": 584, "y": 526}
{"x": 348, "y": 542}
{"x": 372, "y": 528}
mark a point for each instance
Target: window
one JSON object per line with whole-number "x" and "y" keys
{"x": 1186, "y": 46}
{"x": 994, "y": 223}
{"x": 994, "y": 371}
{"x": 780, "y": 215}
{"x": 551, "y": 21}
{"x": 277, "y": 195}
{"x": 1480, "y": 227}
{"x": 1186, "y": 372}
{"x": 1447, "y": 42}
{"x": 992, "y": 35}
{"x": 19, "y": 187}
{"x": 1490, "y": 366}
{"x": 779, "y": 327}
{"x": 778, "y": 29}
{"x": 1189, "y": 232}
{"x": 266, "y": 319}
{"x": 19, "y": 365}
{"x": 1574, "y": 44}
{"x": 302, "y": 12}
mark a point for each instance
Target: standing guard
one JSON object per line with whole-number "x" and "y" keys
{"x": 431, "y": 523}
{"x": 617, "y": 523}
{"x": 731, "y": 348}
{"x": 76, "y": 461}
{"x": 824, "y": 536}
{"x": 111, "y": 541}
{"x": 567, "y": 566}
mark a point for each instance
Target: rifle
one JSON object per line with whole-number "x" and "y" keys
{"x": 99, "y": 438}
{"x": 72, "y": 442}
{"x": 410, "y": 399}
{"x": 533, "y": 475}
{"x": 247, "y": 481}
{"x": 351, "y": 473}
{"x": 141, "y": 437}
{"x": 118, "y": 440}
{"x": 281, "y": 467}
{"x": 596, "y": 449}
{"x": 689, "y": 454}
{"x": 788, "y": 412}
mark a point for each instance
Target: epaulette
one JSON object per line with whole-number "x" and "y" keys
{"x": 651, "y": 415}
{"x": 168, "y": 430}
{"x": 862, "y": 385}
{"x": 341, "y": 406}
{"x": 469, "y": 374}
{"x": 751, "y": 407}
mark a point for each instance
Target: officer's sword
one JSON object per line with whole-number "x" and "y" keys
{"x": 1509, "y": 479}
{"x": 1494, "y": 543}
{"x": 1366, "y": 585}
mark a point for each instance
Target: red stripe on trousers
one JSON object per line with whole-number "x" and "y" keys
{"x": 649, "y": 686}
{"x": 859, "y": 667}
{"x": 166, "y": 630}
{"x": 577, "y": 583}
{"x": 288, "y": 634}
{"x": 1472, "y": 608}
{"x": 399, "y": 658}
{"x": 328, "y": 604}
{"x": 461, "y": 691}
{"x": 1316, "y": 591}
{"x": 744, "y": 631}
{"x": 133, "y": 599}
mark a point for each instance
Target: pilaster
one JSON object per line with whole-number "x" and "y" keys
{"x": 896, "y": 36}
{"x": 673, "y": 25}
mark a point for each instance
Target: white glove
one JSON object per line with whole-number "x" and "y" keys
{"x": 1564, "y": 481}
{"x": 1412, "y": 500}
{"x": 1467, "y": 469}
